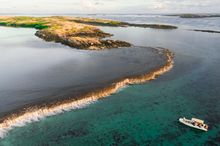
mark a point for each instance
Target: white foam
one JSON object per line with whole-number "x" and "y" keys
{"x": 122, "y": 88}
{"x": 36, "y": 115}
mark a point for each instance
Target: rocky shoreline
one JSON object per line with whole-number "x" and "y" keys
{"x": 82, "y": 42}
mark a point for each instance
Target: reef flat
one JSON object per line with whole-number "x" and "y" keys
{"x": 76, "y": 32}
{"x": 37, "y": 112}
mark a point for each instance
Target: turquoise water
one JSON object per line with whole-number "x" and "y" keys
{"x": 145, "y": 114}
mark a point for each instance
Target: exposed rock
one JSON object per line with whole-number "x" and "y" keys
{"x": 123, "y": 24}
{"x": 82, "y": 42}
{"x": 209, "y": 31}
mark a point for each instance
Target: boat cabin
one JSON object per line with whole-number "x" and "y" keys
{"x": 197, "y": 121}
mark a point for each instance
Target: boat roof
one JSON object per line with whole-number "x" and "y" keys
{"x": 197, "y": 120}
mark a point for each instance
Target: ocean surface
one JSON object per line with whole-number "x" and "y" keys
{"x": 35, "y": 72}
{"x": 144, "y": 114}
{"x": 188, "y": 23}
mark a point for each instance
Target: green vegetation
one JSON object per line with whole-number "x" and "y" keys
{"x": 36, "y": 25}
{"x": 3, "y": 23}
{"x": 116, "y": 23}
{"x": 29, "y": 22}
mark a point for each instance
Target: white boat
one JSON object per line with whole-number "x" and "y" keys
{"x": 194, "y": 123}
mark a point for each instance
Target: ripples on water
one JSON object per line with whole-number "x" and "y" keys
{"x": 145, "y": 114}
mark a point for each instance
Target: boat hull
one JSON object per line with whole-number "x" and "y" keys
{"x": 183, "y": 121}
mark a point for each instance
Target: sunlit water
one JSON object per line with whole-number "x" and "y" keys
{"x": 145, "y": 114}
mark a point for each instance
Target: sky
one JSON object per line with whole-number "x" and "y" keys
{"x": 108, "y": 6}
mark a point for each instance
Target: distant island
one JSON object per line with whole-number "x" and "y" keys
{"x": 76, "y": 32}
{"x": 195, "y": 15}
{"x": 208, "y": 31}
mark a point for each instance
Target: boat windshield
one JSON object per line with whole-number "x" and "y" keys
{"x": 198, "y": 120}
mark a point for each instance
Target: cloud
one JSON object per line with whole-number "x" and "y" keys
{"x": 87, "y": 4}
{"x": 156, "y": 6}
{"x": 108, "y": 6}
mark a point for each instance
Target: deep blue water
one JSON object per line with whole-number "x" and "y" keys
{"x": 145, "y": 114}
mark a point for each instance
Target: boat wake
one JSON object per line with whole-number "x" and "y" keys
{"x": 37, "y": 113}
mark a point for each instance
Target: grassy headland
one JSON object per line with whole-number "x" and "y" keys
{"x": 76, "y": 32}
{"x": 65, "y": 31}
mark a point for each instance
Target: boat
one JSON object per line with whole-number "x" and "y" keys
{"x": 194, "y": 123}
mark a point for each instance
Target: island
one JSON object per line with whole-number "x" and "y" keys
{"x": 195, "y": 15}
{"x": 208, "y": 31}
{"x": 76, "y": 32}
